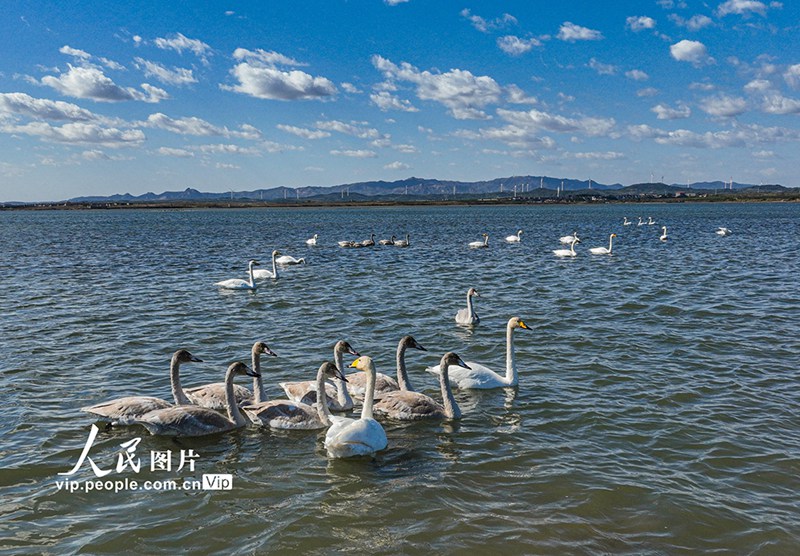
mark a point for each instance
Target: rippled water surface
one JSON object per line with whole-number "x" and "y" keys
{"x": 657, "y": 413}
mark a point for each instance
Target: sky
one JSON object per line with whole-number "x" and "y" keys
{"x": 98, "y": 98}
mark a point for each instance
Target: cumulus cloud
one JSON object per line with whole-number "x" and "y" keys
{"x": 758, "y": 86}
{"x": 355, "y": 153}
{"x": 178, "y": 42}
{"x": 792, "y": 76}
{"x": 484, "y": 25}
{"x": 396, "y": 165}
{"x": 693, "y": 52}
{"x": 227, "y": 148}
{"x": 303, "y": 132}
{"x": 406, "y": 149}
{"x": 387, "y": 101}
{"x": 354, "y": 129}
{"x": 44, "y": 109}
{"x": 607, "y": 155}
{"x": 542, "y": 121}
{"x": 174, "y": 76}
{"x": 80, "y": 133}
{"x": 647, "y": 92}
{"x": 723, "y": 106}
{"x": 512, "y": 135}
{"x": 91, "y": 83}
{"x": 267, "y": 57}
{"x": 197, "y": 127}
{"x": 570, "y": 32}
{"x": 83, "y": 58}
{"x": 177, "y": 153}
{"x": 741, "y": 136}
{"x": 459, "y": 90}
{"x": 516, "y": 46}
{"x": 601, "y": 68}
{"x": 518, "y": 96}
{"x": 394, "y": 2}
{"x": 776, "y": 103}
{"x": 664, "y": 112}
{"x": 640, "y": 23}
{"x": 637, "y": 75}
{"x": 741, "y": 7}
{"x": 349, "y": 88}
{"x": 694, "y": 23}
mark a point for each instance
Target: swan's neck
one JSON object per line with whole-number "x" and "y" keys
{"x": 250, "y": 273}
{"x": 511, "y": 364}
{"x": 274, "y": 267}
{"x": 369, "y": 394}
{"x": 486, "y": 241}
{"x": 470, "y": 308}
{"x": 230, "y": 401}
{"x": 322, "y": 399}
{"x": 610, "y": 243}
{"x": 402, "y": 374}
{"x": 572, "y": 250}
{"x": 175, "y": 381}
{"x": 258, "y": 382}
{"x": 342, "y": 395}
{"x": 451, "y": 409}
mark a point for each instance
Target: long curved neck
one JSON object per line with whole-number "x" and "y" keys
{"x": 252, "y": 280}
{"x": 230, "y": 401}
{"x": 322, "y": 399}
{"x": 342, "y": 395}
{"x": 402, "y": 374}
{"x": 610, "y": 243}
{"x": 369, "y": 394}
{"x": 451, "y": 409}
{"x": 274, "y": 267}
{"x": 470, "y": 308}
{"x": 511, "y": 365}
{"x": 571, "y": 248}
{"x": 175, "y": 382}
{"x": 258, "y": 382}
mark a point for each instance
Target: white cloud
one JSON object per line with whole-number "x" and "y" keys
{"x": 355, "y": 153}
{"x": 178, "y": 42}
{"x": 354, "y": 129}
{"x": 83, "y": 58}
{"x": 570, "y": 32}
{"x": 303, "y": 132}
{"x": 668, "y": 113}
{"x": 516, "y": 46}
{"x": 647, "y": 92}
{"x": 741, "y": 7}
{"x": 723, "y": 106}
{"x": 175, "y": 76}
{"x": 396, "y": 165}
{"x": 91, "y": 83}
{"x": 601, "y": 68}
{"x": 94, "y": 154}
{"x": 701, "y": 86}
{"x": 79, "y": 133}
{"x": 484, "y": 26}
{"x": 177, "y": 153}
{"x": 406, "y": 149}
{"x": 223, "y": 148}
{"x": 387, "y": 101}
{"x": 792, "y": 76}
{"x": 637, "y": 75}
{"x": 394, "y": 2}
{"x": 74, "y": 52}
{"x": 45, "y": 109}
{"x": 518, "y": 96}
{"x": 778, "y": 104}
{"x": 349, "y": 88}
{"x": 513, "y": 135}
{"x": 693, "y": 52}
{"x": 607, "y": 155}
{"x": 266, "y": 57}
{"x": 758, "y": 86}
{"x": 273, "y": 84}
{"x": 459, "y": 90}
{"x": 764, "y": 154}
{"x": 741, "y": 136}
{"x": 538, "y": 120}
{"x": 694, "y": 23}
{"x": 196, "y": 126}
{"x": 640, "y": 23}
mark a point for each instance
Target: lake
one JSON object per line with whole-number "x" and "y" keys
{"x": 657, "y": 410}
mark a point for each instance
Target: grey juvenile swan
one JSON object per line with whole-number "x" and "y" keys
{"x": 357, "y": 382}
{"x": 468, "y": 314}
{"x": 338, "y": 398}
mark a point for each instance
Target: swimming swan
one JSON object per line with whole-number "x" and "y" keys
{"x": 650, "y": 221}
{"x": 663, "y": 234}
{"x": 478, "y": 376}
{"x": 123, "y": 411}
{"x": 414, "y": 406}
{"x": 289, "y": 415}
{"x": 262, "y": 274}
{"x": 238, "y": 283}
{"x": 338, "y": 398}
{"x": 369, "y": 242}
{"x": 191, "y": 420}
{"x": 604, "y": 250}
{"x": 480, "y": 244}
{"x": 626, "y": 222}
{"x": 566, "y": 240}
{"x": 357, "y": 437}
{"x": 567, "y": 252}
{"x": 722, "y": 231}
{"x": 387, "y": 241}
{"x": 640, "y": 223}
{"x": 214, "y": 395}
{"x": 515, "y": 239}
{"x": 312, "y": 240}
{"x": 468, "y": 315}
{"x": 286, "y": 260}
{"x": 357, "y": 382}
{"x": 402, "y": 242}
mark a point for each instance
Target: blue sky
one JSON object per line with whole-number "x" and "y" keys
{"x": 113, "y": 97}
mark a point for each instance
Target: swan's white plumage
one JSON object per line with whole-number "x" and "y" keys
{"x": 663, "y": 234}
{"x": 604, "y": 250}
{"x": 480, "y": 244}
{"x": 566, "y": 240}
{"x": 238, "y": 283}
{"x": 514, "y": 238}
{"x": 566, "y": 252}
{"x": 312, "y": 240}
{"x": 286, "y": 260}
{"x": 467, "y": 315}
{"x": 722, "y": 231}
{"x": 263, "y": 274}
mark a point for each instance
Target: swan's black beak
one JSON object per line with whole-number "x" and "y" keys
{"x": 270, "y": 352}
{"x": 353, "y": 352}
{"x": 251, "y": 372}
{"x": 419, "y": 347}
{"x": 195, "y": 359}
{"x": 461, "y": 363}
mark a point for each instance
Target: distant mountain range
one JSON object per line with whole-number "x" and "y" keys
{"x": 424, "y": 188}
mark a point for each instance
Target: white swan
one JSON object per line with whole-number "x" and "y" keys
{"x": 468, "y": 315}
{"x": 567, "y": 252}
{"x": 357, "y": 382}
{"x": 640, "y": 223}
{"x": 478, "y": 376}
{"x": 312, "y": 240}
{"x": 663, "y": 234}
{"x": 263, "y": 274}
{"x": 123, "y": 411}
{"x": 406, "y": 405}
{"x": 626, "y": 222}
{"x": 402, "y": 242}
{"x": 604, "y": 250}
{"x": 338, "y": 397}
{"x": 722, "y": 231}
{"x": 286, "y": 260}
{"x": 387, "y": 241}
{"x": 566, "y": 240}
{"x": 191, "y": 420}
{"x": 357, "y": 437}
{"x": 650, "y": 221}
{"x": 238, "y": 283}
{"x": 214, "y": 395}
{"x": 515, "y": 239}
{"x": 286, "y": 414}
{"x": 480, "y": 244}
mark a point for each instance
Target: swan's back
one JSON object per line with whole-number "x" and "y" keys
{"x": 357, "y": 384}
{"x": 408, "y": 406}
{"x": 477, "y": 377}
{"x": 361, "y": 437}
{"x": 124, "y": 411}
{"x": 212, "y": 396}
{"x": 284, "y": 414}
{"x": 185, "y": 420}
{"x": 236, "y": 284}
{"x": 463, "y": 317}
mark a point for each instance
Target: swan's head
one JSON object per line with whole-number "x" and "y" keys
{"x": 410, "y": 342}
{"x": 261, "y": 347}
{"x": 473, "y": 292}
{"x": 519, "y": 232}
{"x": 516, "y": 322}
{"x": 253, "y": 263}
{"x": 316, "y": 236}
{"x": 276, "y": 253}
{"x": 451, "y": 358}
{"x": 344, "y": 347}
{"x": 330, "y": 371}
{"x": 239, "y": 368}
{"x": 613, "y": 235}
{"x": 485, "y": 235}
{"x": 364, "y": 363}
{"x": 183, "y": 356}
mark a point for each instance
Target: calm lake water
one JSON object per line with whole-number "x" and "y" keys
{"x": 658, "y": 410}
